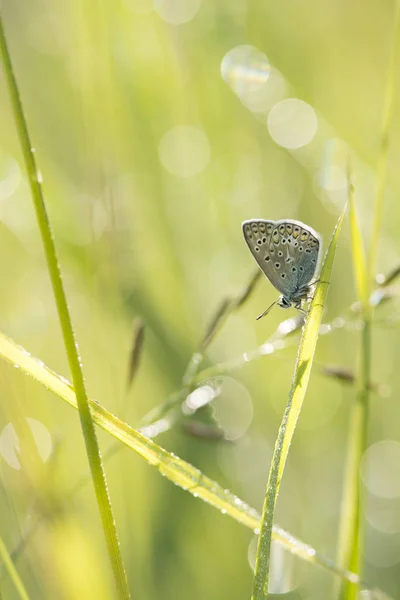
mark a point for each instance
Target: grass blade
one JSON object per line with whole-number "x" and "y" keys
{"x": 176, "y": 470}
{"x": 301, "y": 376}
{"x": 387, "y": 114}
{"x": 12, "y": 571}
{"x": 136, "y": 350}
{"x": 351, "y": 540}
{"x": 358, "y": 252}
{"x": 88, "y": 429}
{"x": 351, "y": 530}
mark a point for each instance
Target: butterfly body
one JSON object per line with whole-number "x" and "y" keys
{"x": 288, "y": 253}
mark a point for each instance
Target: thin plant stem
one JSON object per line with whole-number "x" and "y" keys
{"x": 12, "y": 571}
{"x": 351, "y": 542}
{"x": 88, "y": 429}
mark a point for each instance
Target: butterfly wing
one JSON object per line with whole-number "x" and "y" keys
{"x": 306, "y": 247}
{"x": 264, "y": 242}
{"x": 287, "y": 251}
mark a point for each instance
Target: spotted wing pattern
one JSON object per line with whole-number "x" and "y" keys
{"x": 287, "y": 252}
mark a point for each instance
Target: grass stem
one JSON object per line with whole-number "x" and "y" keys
{"x": 88, "y": 429}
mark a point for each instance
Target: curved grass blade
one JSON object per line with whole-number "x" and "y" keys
{"x": 298, "y": 390}
{"x": 71, "y": 348}
{"x": 176, "y": 470}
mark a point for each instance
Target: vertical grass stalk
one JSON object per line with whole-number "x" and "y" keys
{"x": 351, "y": 527}
{"x": 351, "y": 542}
{"x": 296, "y": 396}
{"x": 88, "y": 429}
{"x": 381, "y": 168}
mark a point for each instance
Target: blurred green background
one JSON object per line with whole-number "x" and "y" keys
{"x": 158, "y": 127}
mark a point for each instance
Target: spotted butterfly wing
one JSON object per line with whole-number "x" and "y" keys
{"x": 287, "y": 251}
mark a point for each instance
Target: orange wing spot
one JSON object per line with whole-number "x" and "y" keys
{"x": 304, "y": 236}
{"x": 289, "y": 228}
{"x": 296, "y": 232}
{"x": 282, "y": 228}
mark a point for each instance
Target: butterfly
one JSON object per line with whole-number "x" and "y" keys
{"x": 288, "y": 253}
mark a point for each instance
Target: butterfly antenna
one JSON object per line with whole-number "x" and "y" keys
{"x": 266, "y": 311}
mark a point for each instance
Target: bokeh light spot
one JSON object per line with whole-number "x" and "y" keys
{"x": 292, "y": 123}
{"x": 232, "y": 408}
{"x": 177, "y": 12}
{"x": 184, "y": 151}
{"x": 379, "y": 469}
{"x": 247, "y": 71}
{"x": 198, "y": 398}
{"x": 10, "y": 445}
{"x": 10, "y": 176}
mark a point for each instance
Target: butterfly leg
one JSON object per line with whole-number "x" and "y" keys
{"x": 300, "y": 308}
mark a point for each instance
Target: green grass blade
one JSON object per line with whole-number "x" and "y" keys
{"x": 88, "y": 429}
{"x": 358, "y": 252}
{"x": 351, "y": 527}
{"x": 387, "y": 114}
{"x": 351, "y": 541}
{"x": 298, "y": 390}
{"x": 12, "y": 571}
{"x": 176, "y": 470}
